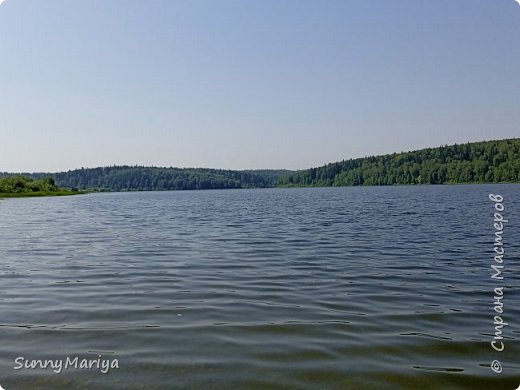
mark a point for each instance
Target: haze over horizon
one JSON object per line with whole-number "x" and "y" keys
{"x": 246, "y": 169}
{"x": 250, "y": 85}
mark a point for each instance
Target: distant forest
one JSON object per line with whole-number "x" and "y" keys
{"x": 138, "y": 178}
{"x": 478, "y": 162}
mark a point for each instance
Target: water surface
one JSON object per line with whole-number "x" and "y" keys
{"x": 347, "y": 288}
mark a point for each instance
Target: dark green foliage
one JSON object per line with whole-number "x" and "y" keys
{"x": 21, "y": 184}
{"x": 137, "y": 178}
{"x": 478, "y": 162}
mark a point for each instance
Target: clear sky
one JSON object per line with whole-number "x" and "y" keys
{"x": 251, "y": 84}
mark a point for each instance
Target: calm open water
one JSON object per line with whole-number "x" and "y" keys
{"x": 347, "y": 288}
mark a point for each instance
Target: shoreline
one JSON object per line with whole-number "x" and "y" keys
{"x": 4, "y": 195}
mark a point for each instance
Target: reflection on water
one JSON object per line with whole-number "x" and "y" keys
{"x": 362, "y": 288}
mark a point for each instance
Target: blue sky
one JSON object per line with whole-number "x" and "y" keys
{"x": 251, "y": 84}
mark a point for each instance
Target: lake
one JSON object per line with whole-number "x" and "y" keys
{"x": 333, "y": 288}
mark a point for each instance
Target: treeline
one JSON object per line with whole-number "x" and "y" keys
{"x": 139, "y": 178}
{"x": 21, "y": 184}
{"x": 478, "y": 162}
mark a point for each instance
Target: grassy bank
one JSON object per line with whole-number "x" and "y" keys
{"x": 21, "y": 187}
{"x": 39, "y": 193}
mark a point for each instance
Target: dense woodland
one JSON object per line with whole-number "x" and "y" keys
{"x": 478, "y": 162}
{"x": 21, "y": 184}
{"x": 138, "y": 178}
